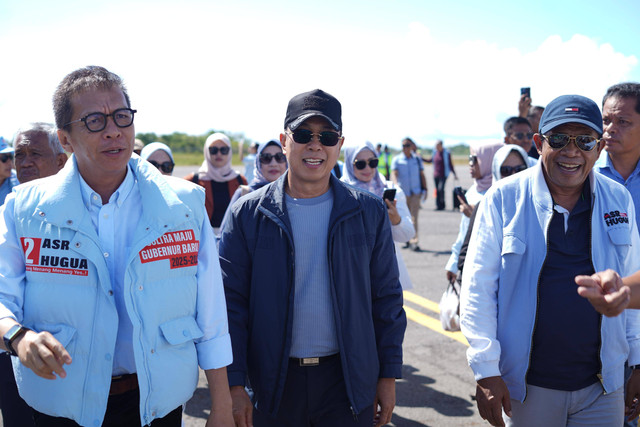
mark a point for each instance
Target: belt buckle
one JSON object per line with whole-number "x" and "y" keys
{"x": 309, "y": 361}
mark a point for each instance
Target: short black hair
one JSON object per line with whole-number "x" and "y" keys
{"x": 624, "y": 90}
{"x": 512, "y": 121}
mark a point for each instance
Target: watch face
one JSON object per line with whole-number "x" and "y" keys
{"x": 14, "y": 332}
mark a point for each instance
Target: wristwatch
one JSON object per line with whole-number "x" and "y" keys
{"x": 15, "y": 332}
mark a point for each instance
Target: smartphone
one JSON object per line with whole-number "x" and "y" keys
{"x": 525, "y": 91}
{"x": 458, "y": 191}
{"x": 389, "y": 194}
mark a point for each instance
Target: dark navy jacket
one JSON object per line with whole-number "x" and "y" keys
{"x": 257, "y": 260}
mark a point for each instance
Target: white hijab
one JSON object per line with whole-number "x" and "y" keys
{"x": 207, "y": 171}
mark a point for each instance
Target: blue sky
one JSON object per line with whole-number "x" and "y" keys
{"x": 423, "y": 69}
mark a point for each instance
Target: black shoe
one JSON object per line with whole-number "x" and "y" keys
{"x": 416, "y": 248}
{"x": 406, "y": 245}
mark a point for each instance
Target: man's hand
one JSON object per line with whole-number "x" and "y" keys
{"x": 43, "y": 354}
{"x": 491, "y": 396}
{"x": 394, "y": 216}
{"x": 632, "y": 401}
{"x": 465, "y": 208}
{"x": 242, "y": 407}
{"x": 451, "y": 277}
{"x": 424, "y": 194}
{"x": 386, "y": 399}
{"x": 605, "y": 291}
{"x": 523, "y": 105}
{"x": 220, "y": 398}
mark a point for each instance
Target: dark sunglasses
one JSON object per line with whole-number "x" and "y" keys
{"x": 522, "y": 135}
{"x": 166, "y": 167}
{"x": 510, "y": 170}
{"x": 361, "y": 164}
{"x": 473, "y": 160}
{"x": 5, "y": 156}
{"x": 223, "y": 150}
{"x": 558, "y": 141}
{"x": 327, "y": 138}
{"x": 266, "y": 158}
{"x": 406, "y": 145}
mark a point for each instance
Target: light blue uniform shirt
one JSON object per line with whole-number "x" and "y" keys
{"x": 632, "y": 184}
{"x": 115, "y": 224}
{"x": 408, "y": 173}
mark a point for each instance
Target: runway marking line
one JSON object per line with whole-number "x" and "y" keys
{"x": 428, "y": 321}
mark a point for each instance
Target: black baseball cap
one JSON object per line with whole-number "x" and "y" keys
{"x": 313, "y": 103}
{"x": 571, "y": 109}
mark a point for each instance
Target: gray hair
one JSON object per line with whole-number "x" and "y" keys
{"x": 41, "y": 128}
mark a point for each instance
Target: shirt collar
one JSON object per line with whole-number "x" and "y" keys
{"x": 90, "y": 197}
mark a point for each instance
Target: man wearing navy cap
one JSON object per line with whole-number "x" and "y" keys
{"x": 313, "y": 295}
{"x": 541, "y": 354}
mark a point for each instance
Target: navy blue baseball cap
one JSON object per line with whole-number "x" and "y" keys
{"x": 313, "y": 103}
{"x": 571, "y": 109}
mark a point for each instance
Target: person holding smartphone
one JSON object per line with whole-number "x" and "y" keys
{"x": 361, "y": 171}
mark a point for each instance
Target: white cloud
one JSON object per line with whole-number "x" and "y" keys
{"x": 191, "y": 69}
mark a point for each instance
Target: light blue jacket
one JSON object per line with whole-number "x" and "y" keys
{"x": 77, "y": 305}
{"x": 502, "y": 269}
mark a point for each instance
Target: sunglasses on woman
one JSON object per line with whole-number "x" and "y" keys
{"x": 266, "y": 158}
{"x": 303, "y": 136}
{"x": 166, "y": 167}
{"x": 558, "y": 141}
{"x": 361, "y": 164}
{"x": 510, "y": 170}
{"x": 223, "y": 150}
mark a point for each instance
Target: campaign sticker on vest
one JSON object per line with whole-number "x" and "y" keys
{"x": 179, "y": 247}
{"x": 616, "y": 217}
{"x": 52, "y": 256}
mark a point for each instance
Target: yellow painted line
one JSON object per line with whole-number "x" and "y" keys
{"x": 421, "y": 301}
{"x": 433, "y": 324}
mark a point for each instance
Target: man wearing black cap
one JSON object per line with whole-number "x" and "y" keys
{"x": 540, "y": 353}
{"x": 314, "y": 301}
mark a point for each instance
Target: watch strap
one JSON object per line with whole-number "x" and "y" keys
{"x": 12, "y": 334}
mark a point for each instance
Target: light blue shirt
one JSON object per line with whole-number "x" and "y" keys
{"x": 115, "y": 224}
{"x": 632, "y": 184}
{"x": 408, "y": 173}
{"x": 314, "y": 329}
{"x": 7, "y": 186}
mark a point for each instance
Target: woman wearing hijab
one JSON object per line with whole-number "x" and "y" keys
{"x": 269, "y": 164}
{"x": 361, "y": 170}
{"x": 160, "y": 156}
{"x": 480, "y": 160}
{"x": 217, "y": 177}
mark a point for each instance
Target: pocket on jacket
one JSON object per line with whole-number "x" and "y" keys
{"x": 61, "y": 332}
{"x": 178, "y": 331}
{"x": 621, "y": 239}
{"x": 512, "y": 245}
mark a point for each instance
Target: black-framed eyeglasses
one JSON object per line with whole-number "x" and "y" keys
{"x": 558, "y": 141}
{"x": 166, "y": 167}
{"x": 6, "y": 156}
{"x": 505, "y": 171}
{"x": 361, "y": 164}
{"x": 327, "y": 138}
{"x": 473, "y": 159}
{"x": 522, "y": 135}
{"x": 266, "y": 158}
{"x": 213, "y": 150}
{"x": 96, "y": 122}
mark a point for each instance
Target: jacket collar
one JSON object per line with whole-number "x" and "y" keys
{"x": 61, "y": 202}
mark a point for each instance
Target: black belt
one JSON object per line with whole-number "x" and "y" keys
{"x": 312, "y": 361}
{"x": 123, "y": 383}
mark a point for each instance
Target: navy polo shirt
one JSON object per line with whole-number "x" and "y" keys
{"x": 566, "y": 339}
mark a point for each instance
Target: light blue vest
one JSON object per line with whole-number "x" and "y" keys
{"x": 68, "y": 293}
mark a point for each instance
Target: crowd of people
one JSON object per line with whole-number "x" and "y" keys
{"x": 283, "y": 283}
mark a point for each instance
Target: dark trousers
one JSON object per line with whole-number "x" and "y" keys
{"x": 440, "y": 181}
{"x": 15, "y": 412}
{"x": 315, "y": 396}
{"x": 123, "y": 410}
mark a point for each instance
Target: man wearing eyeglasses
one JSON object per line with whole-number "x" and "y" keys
{"x": 540, "y": 353}
{"x": 111, "y": 291}
{"x": 517, "y": 130}
{"x": 312, "y": 287}
{"x": 8, "y": 178}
